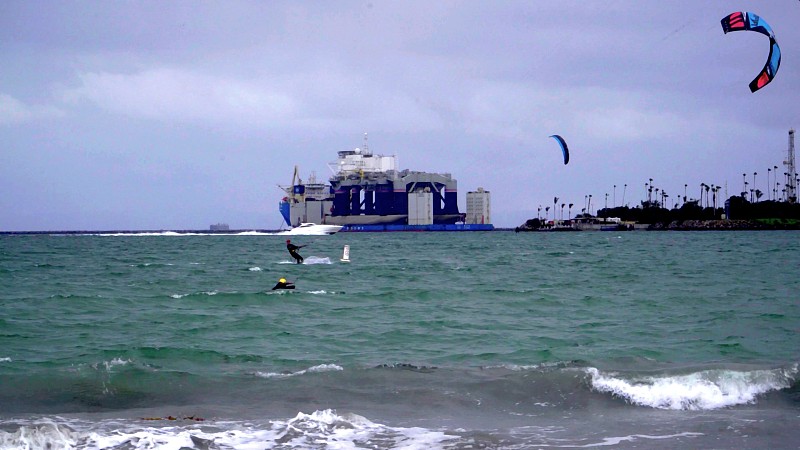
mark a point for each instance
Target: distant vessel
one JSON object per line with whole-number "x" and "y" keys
{"x": 314, "y": 229}
{"x": 368, "y": 193}
{"x": 220, "y": 227}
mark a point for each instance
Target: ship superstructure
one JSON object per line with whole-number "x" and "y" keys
{"x": 368, "y": 193}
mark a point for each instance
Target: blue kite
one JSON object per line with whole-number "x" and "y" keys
{"x": 563, "y": 145}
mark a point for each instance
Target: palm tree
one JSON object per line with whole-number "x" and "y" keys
{"x": 759, "y": 194}
{"x": 775, "y": 171}
{"x": 786, "y": 181}
{"x": 555, "y": 199}
{"x": 769, "y": 170}
{"x": 714, "y": 196}
{"x": 754, "y": 178}
{"x": 624, "y": 190}
{"x": 702, "y": 185}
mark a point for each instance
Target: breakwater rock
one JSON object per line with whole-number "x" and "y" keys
{"x": 717, "y": 225}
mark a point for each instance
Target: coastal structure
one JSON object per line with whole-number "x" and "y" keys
{"x": 369, "y": 193}
{"x": 478, "y": 207}
{"x": 220, "y": 227}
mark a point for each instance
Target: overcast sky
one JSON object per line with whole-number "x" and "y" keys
{"x": 178, "y": 114}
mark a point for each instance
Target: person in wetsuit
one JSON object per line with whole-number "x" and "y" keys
{"x": 283, "y": 284}
{"x": 293, "y": 251}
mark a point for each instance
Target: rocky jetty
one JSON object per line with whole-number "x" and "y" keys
{"x": 718, "y": 225}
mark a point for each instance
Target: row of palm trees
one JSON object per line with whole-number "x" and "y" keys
{"x": 773, "y": 188}
{"x": 709, "y": 194}
{"x": 555, "y": 203}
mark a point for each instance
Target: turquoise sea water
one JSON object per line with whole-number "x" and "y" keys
{"x": 424, "y": 340}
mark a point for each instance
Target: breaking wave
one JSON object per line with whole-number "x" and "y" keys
{"x": 703, "y": 390}
{"x": 314, "y": 369}
{"x": 319, "y": 429}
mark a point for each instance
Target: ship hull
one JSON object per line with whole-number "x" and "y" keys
{"x": 366, "y": 219}
{"x": 430, "y": 227}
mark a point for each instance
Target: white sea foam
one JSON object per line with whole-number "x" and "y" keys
{"x": 42, "y": 435}
{"x": 310, "y": 260}
{"x": 255, "y": 269}
{"x": 325, "y": 368}
{"x": 526, "y": 367}
{"x": 317, "y": 260}
{"x": 109, "y": 365}
{"x": 319, "y": 429}
{"x": 175, "y": 233}
{"x": 615, "y": 441}
{"x": 327, "y": 429}
{"x": 196, "y": 293}
{"x": 6, "y": 359}
{"x": 314, "y": 369}
{"x": 515, "y": 367}
{"x": 117, "y": 362}
{"x": 708, "y": 389}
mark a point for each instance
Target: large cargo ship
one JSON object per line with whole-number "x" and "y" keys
{"x": 368, "y": 193}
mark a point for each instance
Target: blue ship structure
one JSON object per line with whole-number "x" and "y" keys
{"x": 368, "y": 193}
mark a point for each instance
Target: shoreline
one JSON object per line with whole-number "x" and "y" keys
{"x": 686, "y": 225}
{"x": 723, "y": 225}
{"x": 84, "y": 232}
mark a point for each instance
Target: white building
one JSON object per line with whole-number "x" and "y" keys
{"x": 479, "y": 207}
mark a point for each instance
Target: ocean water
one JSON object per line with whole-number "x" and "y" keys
{"x": 424, "y": 340}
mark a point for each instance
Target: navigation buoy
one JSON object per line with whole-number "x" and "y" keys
{"x": 346, "y": 254}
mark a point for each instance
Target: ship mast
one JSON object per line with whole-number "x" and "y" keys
{"x": 791, "y": 172}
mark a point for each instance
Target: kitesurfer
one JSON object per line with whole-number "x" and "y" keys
{"x": 293, "y": 251}
{"x": 283, "y": 284}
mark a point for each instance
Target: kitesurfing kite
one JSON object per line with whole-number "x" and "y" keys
{"x": 747, "y": 21}
{"x": 563, "y": 145}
